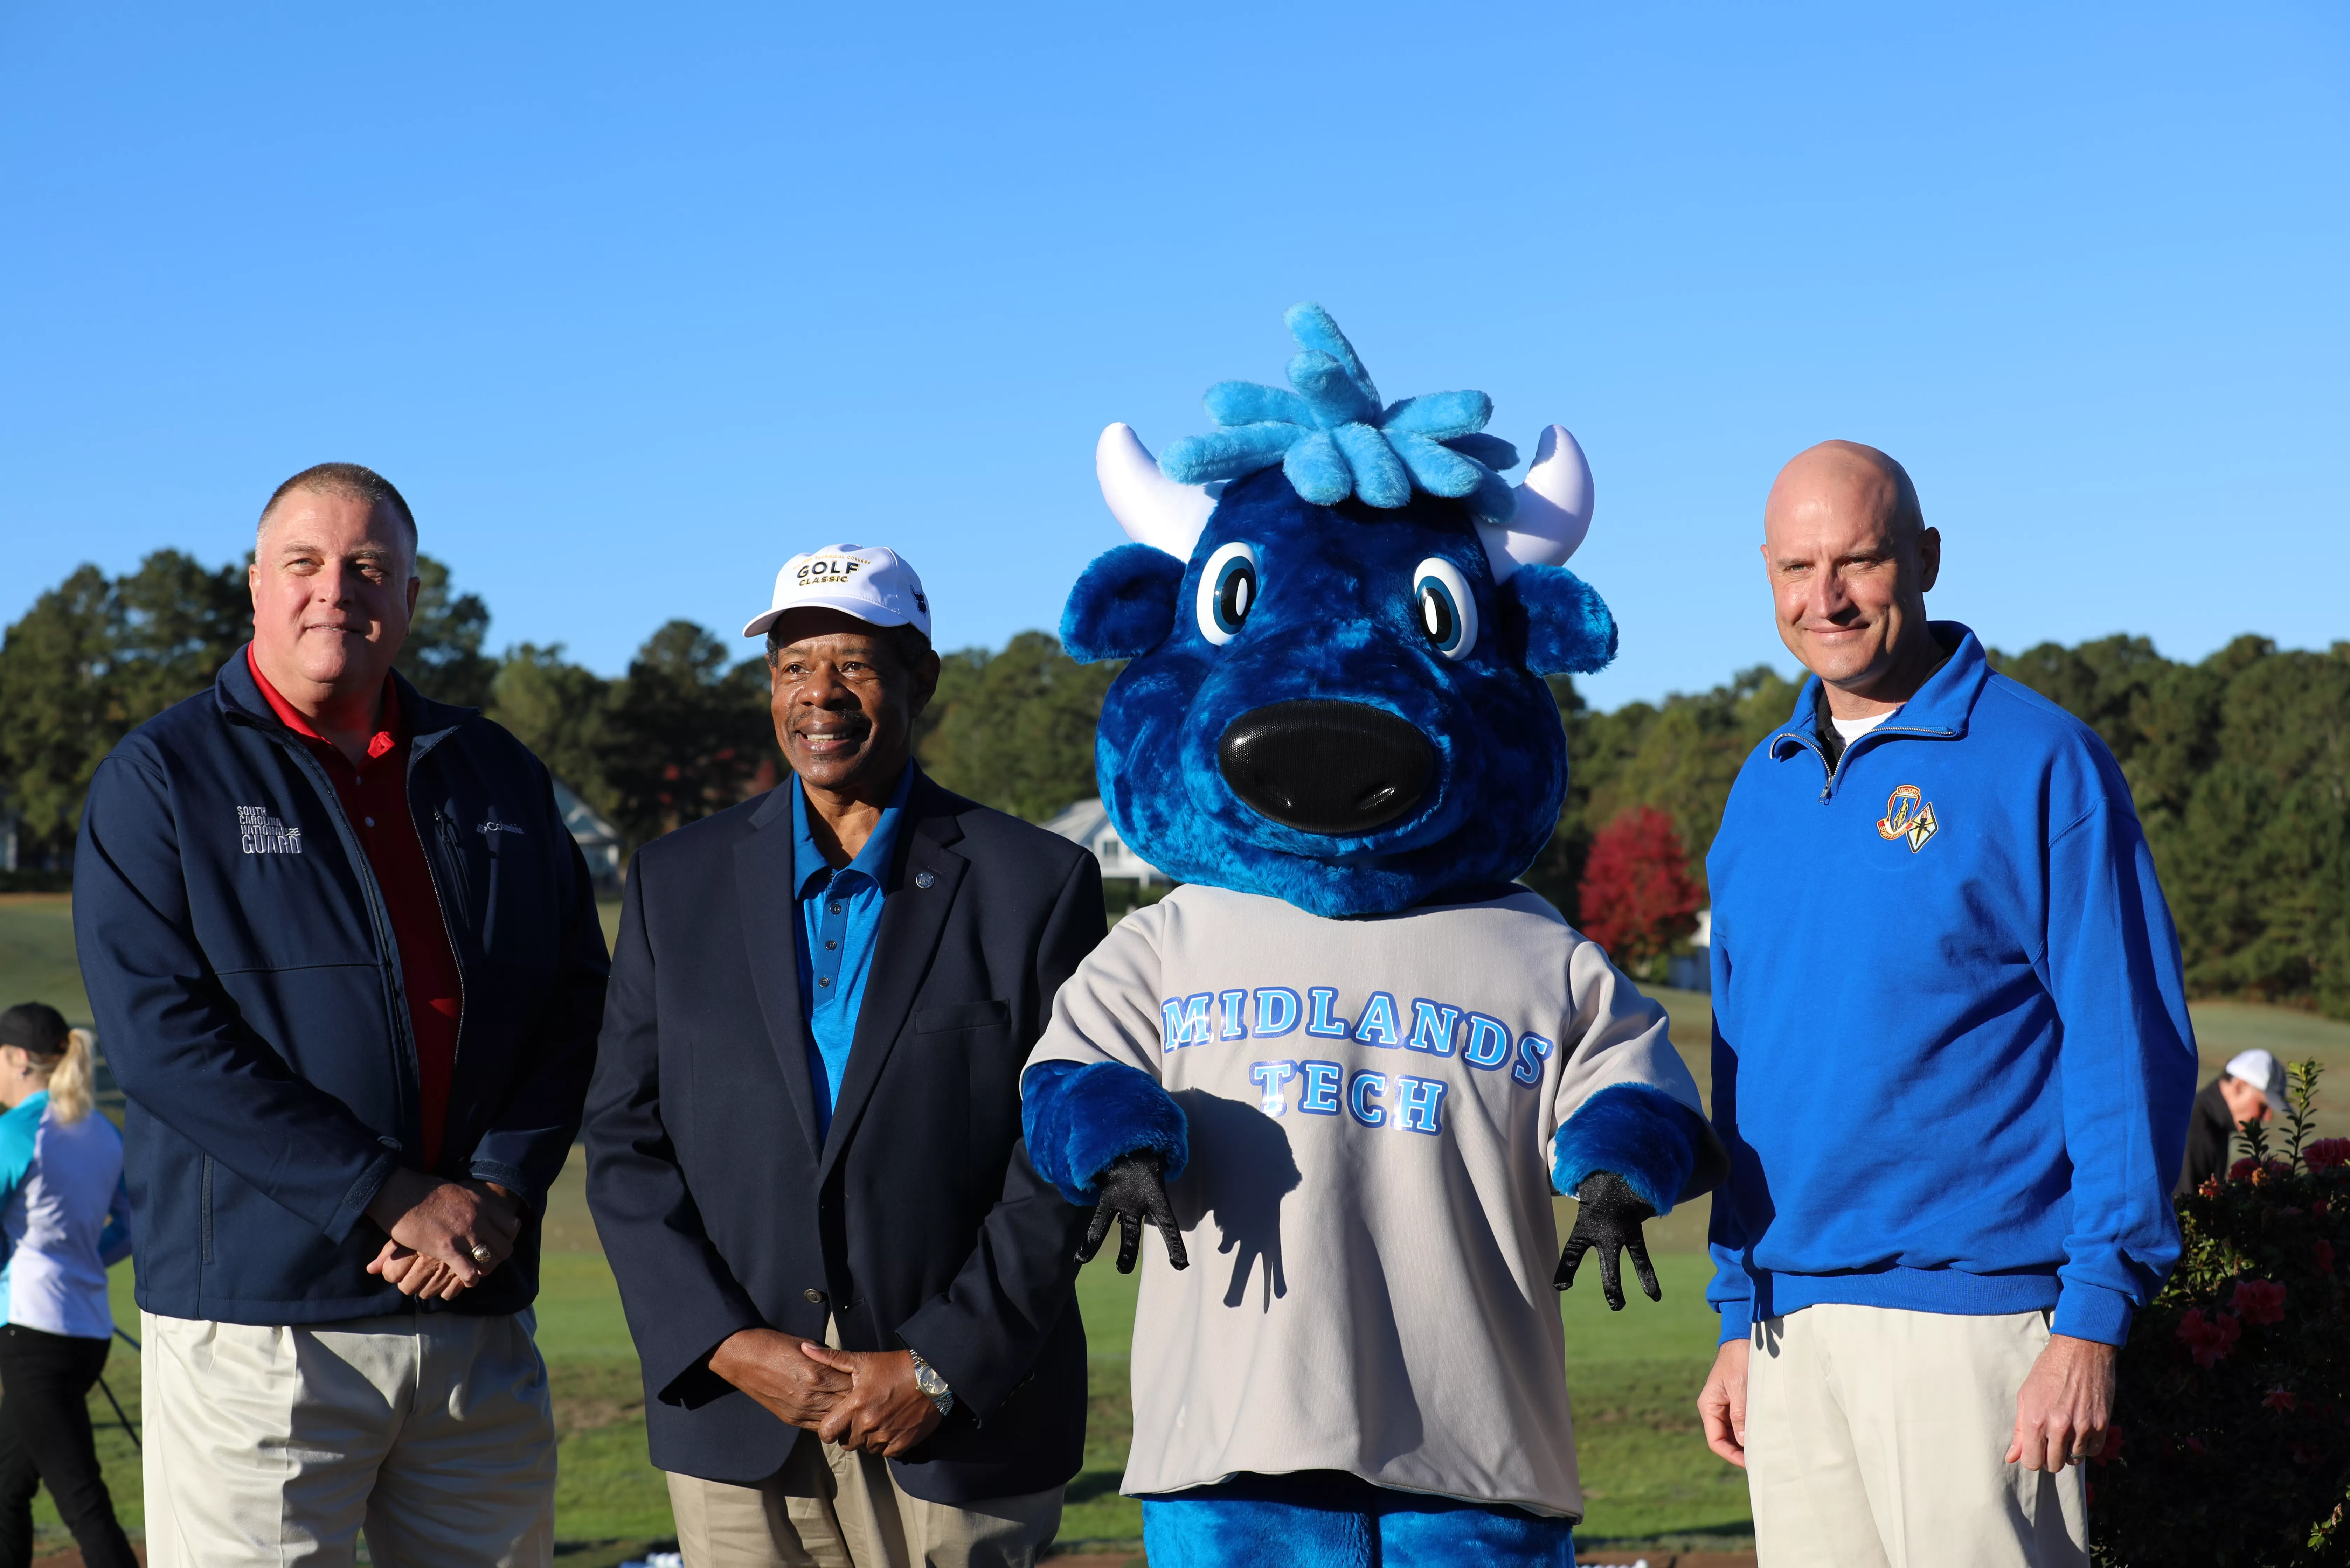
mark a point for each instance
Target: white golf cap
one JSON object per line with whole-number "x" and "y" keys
{"x": 871, "y": 582}
{"x": 2260, "y": 1069}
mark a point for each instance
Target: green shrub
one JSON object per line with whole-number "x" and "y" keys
{"x": 2230, "y": 1439}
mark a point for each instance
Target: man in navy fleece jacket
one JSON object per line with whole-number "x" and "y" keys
{"x": 1929, "y": 890}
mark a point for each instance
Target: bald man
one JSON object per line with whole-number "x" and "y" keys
{"x": 1930, "y": 894}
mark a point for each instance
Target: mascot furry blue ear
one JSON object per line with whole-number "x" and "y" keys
{"x": 1348, "y": 1040}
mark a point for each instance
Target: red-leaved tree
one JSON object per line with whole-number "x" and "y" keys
{"x": 1638, "y": 898}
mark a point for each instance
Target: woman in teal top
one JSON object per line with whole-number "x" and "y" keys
{"x": 62, "y": 1212}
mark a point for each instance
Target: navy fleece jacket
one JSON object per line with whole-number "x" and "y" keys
{"x": 1952, "y": 1061}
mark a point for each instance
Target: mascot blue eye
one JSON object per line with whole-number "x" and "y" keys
{"x": 1446, "y": 609}
{"x": 1228, "y": 591}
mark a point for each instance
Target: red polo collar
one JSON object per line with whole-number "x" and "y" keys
{"x": 387, "y": 730}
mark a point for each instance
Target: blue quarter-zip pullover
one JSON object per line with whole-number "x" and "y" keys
{"x": 1951, "y": 1060}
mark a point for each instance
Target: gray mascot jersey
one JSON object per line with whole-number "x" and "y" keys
{"x": 1371, "y": 1104}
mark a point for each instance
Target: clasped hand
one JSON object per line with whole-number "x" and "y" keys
{"x": 434, "y": 1226}
{"x": 866, "y": 1401}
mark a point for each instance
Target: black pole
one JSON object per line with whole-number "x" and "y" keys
{"x": 128, "y": 1430}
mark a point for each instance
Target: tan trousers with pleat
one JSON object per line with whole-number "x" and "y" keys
{"x": 268, "y": 1447}
{"x": 830, "y": 1508}
{"x": 833, "y": 1509}
{"x": 1878, "y": 1438}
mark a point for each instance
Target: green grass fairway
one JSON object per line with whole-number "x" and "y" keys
{"x": 37, "y": 954}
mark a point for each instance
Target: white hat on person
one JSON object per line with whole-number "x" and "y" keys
{"x": 2260, "y": 1069}
{"x": 871, "y": 582}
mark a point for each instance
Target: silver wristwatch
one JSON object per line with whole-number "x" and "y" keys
{"x": 933, "y": 1386}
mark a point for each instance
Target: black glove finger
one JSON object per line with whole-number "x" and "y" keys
{"x": 1129, "y": 1241}
{"x": 1095, "y": 1231}
{"x": 1611, "y": 1275}
{"x": 1577, "y": 1243}
{"x": 1638, "y": 1245}
{"x": 1163, "y": 1216}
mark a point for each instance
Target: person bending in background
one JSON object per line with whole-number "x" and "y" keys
{"x": 2251, "y": 1089}
{"x": 66, "y": 1218}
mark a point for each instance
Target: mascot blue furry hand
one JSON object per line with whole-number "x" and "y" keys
{"x": 1347, "y": 1041}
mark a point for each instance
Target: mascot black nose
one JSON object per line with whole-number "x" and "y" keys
{"x": 1335, "y": 768}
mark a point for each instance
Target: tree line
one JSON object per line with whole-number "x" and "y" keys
{"x": 683, "y": 733}
{"x": 2240, "y": 763}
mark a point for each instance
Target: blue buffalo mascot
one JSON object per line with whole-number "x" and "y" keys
{"x": 1347, "y": 1041}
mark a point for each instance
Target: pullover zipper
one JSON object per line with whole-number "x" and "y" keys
{"x": 1834, "y": 775}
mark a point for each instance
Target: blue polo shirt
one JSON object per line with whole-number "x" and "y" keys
{"x": 840, "y": 911}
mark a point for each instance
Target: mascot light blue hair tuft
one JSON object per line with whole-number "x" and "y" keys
{"x": 1347, "y": 1041}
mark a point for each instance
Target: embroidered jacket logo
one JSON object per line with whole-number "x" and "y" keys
{"x": 1909, "y": 814}
{"x": 258, "y": 833}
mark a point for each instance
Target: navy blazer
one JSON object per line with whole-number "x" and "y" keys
{"x": 918, "y": 1223}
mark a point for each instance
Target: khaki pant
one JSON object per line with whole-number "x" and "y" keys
{"x": 1878, "y": 1438}
{"x": 830, "y": 1508}
{"x": 275, "y": 1446}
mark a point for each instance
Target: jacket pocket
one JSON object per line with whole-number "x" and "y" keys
{"x": 453, "y": 846}
{"x": 206, "y": 1220}
{"x": 963, "y": 1016}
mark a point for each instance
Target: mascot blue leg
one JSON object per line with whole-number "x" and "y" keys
{"x": 1323, "y": 1520}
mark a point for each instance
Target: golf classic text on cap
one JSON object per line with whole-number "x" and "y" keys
{"x": 872, "y": 583}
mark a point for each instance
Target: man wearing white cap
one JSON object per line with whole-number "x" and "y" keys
{"x": 852, "y": 1295}
{"x": 2251, "y": 1089}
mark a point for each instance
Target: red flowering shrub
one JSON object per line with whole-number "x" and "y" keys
{"x": 1637, "y": 897}
{"x": 2258, "y": 1301}
{"x": 2208, "y": 1339}
{"x": 2235, "y": 1385}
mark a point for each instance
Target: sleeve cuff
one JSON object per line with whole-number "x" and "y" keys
{"x": 360, "y": 1194}
{"x": 510, "y": 1177}
{"x": 2091, "y": 1312}
{"x": 975, "y": 1368}
{"x": 1737, "y": 1319}
{"x": 695, "y": 1384}
{"x": 1642, "y": 1134}
{"x": 1079, "y": 1117}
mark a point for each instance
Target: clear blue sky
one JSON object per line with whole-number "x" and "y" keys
{"x": 633, "y": 302}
